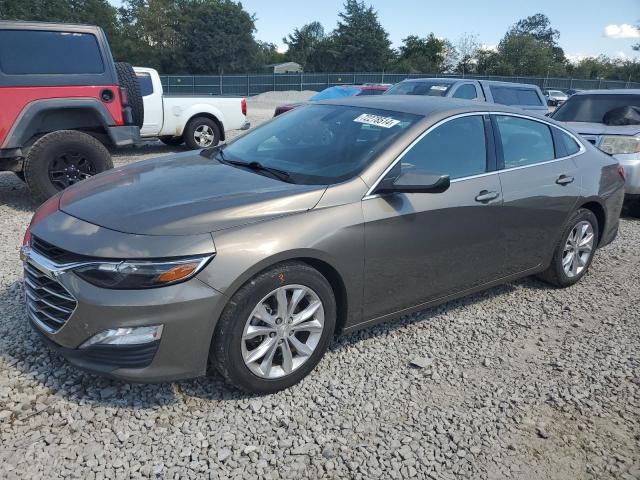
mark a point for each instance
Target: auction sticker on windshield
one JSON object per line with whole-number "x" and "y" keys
{"x": 378, "y": 121}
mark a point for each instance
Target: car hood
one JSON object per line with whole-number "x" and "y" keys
{"x": 184, "y": 194}
{"x": 585, "y": 128}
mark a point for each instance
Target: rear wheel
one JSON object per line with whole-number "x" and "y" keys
{"x": 201, "y": 132}
{"x": 61, "y": 159}
{"x": 574, "y": 253}
{"x": 275, "y": 329}
{"x": 129, "y": 81}
{"x": 172, "y": 141}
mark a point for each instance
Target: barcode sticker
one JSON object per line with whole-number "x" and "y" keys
{"x": 384, "y": 122}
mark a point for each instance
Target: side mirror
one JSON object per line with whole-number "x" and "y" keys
{"x": 417, "y": 182}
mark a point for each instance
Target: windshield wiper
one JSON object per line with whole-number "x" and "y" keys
{"x": 276, "y": 172}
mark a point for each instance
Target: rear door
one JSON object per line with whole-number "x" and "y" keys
{"x": 422, "y": 246}
{"x": 540, "y": 187}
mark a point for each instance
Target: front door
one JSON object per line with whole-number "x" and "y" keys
{"x": 422, "y": 246}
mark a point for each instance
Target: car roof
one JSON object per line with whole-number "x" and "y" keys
{"x": 454, "y": 80}
{"x": 613, "y": 91}
{"x": 422, "y": 105}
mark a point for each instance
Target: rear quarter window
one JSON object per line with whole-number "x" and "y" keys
{"x": 28, "y": 52}
{"x": 570, "y": 145}
{"x": 515, "y": 96}
{"x": 146, "y": 85}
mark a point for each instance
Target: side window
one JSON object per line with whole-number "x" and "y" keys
{"x": 456, "y": 148}
{"x": 146, "y": 85}
{"x": 467, "y": 91}
{"x": 515, "y": 96}
{"x": 570, "y": 145}
{"x": 524, "y": 142}
{"x": 49, "y": 53}
{"x": 527, "y": 96}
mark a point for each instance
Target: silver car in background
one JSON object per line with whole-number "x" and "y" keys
{"x": 250, "y": 257}
{"x": 610, "y": 120}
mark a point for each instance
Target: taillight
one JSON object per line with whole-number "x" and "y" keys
{"x": 621, "y": 172}
{"x": 47, "y": 208}
{"x": 243, "y": 105}
{"x": 124, "y": 99}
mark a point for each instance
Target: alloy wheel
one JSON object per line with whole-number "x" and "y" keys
{"x": 578, "y": 249}
{"x": 282, "y": 331}
{"x": 203, "y": 135}
{"x": 69, "y": 168}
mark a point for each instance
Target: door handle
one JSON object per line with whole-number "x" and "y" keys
{"x": 564, "y": 180}
{"x": 486, "y": 196}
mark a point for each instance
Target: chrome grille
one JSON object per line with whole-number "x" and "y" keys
{"x": 49, "y": 304}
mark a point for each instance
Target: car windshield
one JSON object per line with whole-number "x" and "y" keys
{"x": 432, "y": 88}
{"x": 336, "y": 92}
{"x": 592, "y": 108}
{"x": 320, "y": 144}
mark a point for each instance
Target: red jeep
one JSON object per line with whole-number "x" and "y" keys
{"x": 62, "y": 100}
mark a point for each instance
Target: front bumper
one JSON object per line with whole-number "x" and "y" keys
{"x": 187, "y": 311}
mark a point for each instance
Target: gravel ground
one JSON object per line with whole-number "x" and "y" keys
{"x": 522, "y": 381}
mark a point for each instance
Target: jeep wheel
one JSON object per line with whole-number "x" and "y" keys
{"x": 129, "y": 81}
{"x": 61, "y": 159}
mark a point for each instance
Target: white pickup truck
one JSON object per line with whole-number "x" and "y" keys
{"x": 197, "y": 121}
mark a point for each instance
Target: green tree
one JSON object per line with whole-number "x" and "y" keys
{"x": 218, "y": 37}
{"x": 539, "y": 27}
{"x": 424, "y": 55}
{"x": 360, "y": 42}
{"x": 304, "y": 42}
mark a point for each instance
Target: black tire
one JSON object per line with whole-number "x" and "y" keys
{"x": 129, "y": 81}
{"x": 226, "y": 346}
{"x": 66, "y": 147}
{"x": 172, "y": 141}
{"x": 190, "y": 131}
{"x": 555, "y": 274}
{"x": 633, "y": 207}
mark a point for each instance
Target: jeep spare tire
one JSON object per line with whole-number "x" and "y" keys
{"x": 129, "y": 81}
{"x": 61, "y": 159}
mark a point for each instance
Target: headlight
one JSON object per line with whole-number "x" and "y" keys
{"x": 137, "y": 274}
{"x": 619, "y": 144}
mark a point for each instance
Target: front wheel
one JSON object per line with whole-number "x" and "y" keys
{"x": 201, "y": 132}
{"x": 275, "y": 329}
{"x": 574, "y": 253}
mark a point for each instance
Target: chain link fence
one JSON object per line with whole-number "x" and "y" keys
{"x": 254, "y": 84}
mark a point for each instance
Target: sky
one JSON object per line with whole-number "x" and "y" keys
{"x": 587, "y": 27}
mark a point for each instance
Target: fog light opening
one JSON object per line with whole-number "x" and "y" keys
{"x": 125, "y": 336}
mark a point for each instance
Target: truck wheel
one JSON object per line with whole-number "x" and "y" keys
{"x": 201, "y": 132}
{"x": 129, "y": 81}
{"x": 172, "y": 141}
{"x": 61, "y": 159}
